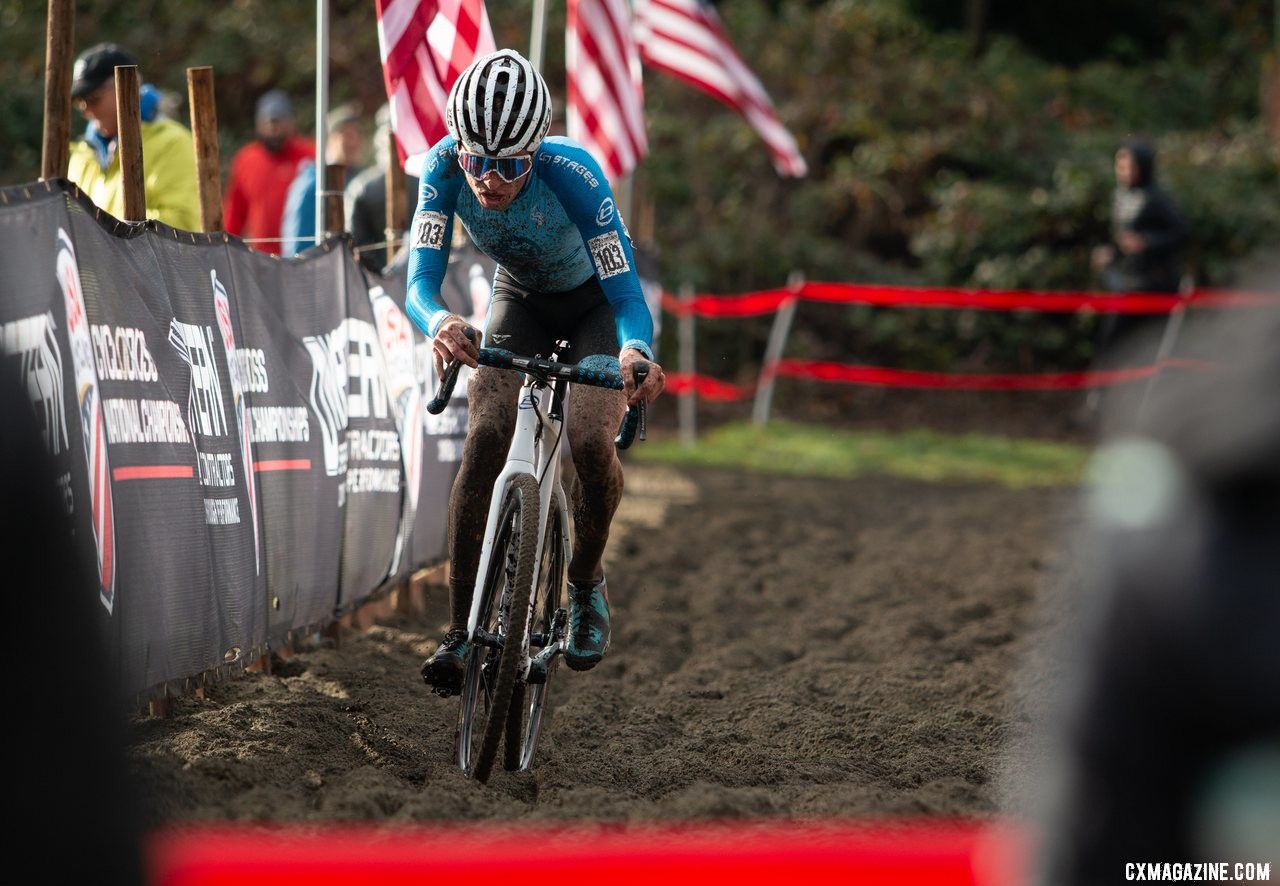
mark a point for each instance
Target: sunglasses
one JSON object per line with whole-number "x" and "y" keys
{"x": 509, "y": 169}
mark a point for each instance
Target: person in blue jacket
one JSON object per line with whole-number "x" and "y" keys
{"x": 543, "y": 210}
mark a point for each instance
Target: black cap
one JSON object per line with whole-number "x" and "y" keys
{"x": 96, "y": 65}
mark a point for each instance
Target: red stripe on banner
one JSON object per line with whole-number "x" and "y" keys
{"x": 904, "y": 854}
{"x": 154, "y": 472}
{"x": 282, "y": 464}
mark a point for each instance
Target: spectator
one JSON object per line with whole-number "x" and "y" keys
{"x": 168, "y": 153}
{"x": 1148, "y": 239}
{"x": 367, "y": 200}
{"x": 261, "y": 173}
{"x": 344, "y": 147}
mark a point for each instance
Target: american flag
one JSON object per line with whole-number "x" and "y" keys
{"x": 425, "y": 45}
{"x": 605, "y": 107}
{"x": 687, "y": 39}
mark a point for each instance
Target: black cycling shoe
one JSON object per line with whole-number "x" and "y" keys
{"x": 443, "y": 670}
{"x": 588, "y": 626}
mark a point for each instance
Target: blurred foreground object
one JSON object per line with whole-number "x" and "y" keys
{"x": 75, "y": 820}
{"x": 1168, "y": 744}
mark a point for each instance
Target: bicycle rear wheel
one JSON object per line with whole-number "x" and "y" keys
{"x": 501, "y": 644}
{"x": 548, "y": 625}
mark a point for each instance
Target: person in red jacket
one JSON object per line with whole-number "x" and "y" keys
{"x": 261, "y": 172}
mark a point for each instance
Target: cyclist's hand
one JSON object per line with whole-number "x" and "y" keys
{"x": 653, "y": 383}
{"x": 451, "y": 343}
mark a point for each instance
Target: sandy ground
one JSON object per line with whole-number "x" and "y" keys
{"x": 783, "y": 648}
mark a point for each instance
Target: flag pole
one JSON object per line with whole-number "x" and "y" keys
{"x": 322, "y": 108}
{"x": 537, "y": 33}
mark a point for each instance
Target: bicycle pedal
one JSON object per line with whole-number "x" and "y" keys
{"x": 540, "y": 665}
{"x": 537, "y": 673}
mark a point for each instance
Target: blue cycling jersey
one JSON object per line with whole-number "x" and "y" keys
{"x": 561, "y": 228}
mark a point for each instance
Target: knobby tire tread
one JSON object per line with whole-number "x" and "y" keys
{"x": 552, "y": 585}
{"x": 525, "y": 538}
{"x": 515, "y": 730}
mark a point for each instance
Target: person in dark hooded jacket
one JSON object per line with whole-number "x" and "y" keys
{"x": 1148, "y": 230}
{"x": 1149, "y": 236}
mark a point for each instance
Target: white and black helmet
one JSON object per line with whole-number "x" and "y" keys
{"x": 500, "y": 106}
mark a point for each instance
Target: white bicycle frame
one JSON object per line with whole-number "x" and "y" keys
{"x": 535, "y": 449}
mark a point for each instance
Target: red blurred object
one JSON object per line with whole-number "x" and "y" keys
{"x": 936, "y": 853}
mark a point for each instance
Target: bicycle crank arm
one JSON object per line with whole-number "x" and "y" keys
{"x": 540, "y": 664}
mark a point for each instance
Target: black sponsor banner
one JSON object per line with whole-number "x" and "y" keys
{"x": 195, "y": 280}
{"x": 239, "y": 438}
{"x": 294, "y": 360}
{"x": 399, "y": 350}
{"x": 465, "y": 290}
{"x": 170, "y": 623}
{"x": 37, "y": 264}
{"x": 375, "y": 477}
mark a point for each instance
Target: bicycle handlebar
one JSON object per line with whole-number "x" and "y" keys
{"x": 633, "y": 423}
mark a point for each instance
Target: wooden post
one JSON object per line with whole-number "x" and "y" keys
{"x": 129, "y": 116}
{"x": 60, "y": 35}
{"x": 1270, "y": 93}
{"x": 397, "y": 199}
{"x": 204, "y": 134}
{"x": 335, "y": 177}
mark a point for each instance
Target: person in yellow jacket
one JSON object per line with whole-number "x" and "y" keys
{"x": 168, "y": 154}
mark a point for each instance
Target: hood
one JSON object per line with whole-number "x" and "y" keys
{"x": 1144, "y": 158}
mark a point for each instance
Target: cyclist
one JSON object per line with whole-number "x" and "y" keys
{"x": 543, "y": 210}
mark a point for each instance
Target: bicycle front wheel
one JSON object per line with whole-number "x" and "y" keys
{"x": 548, "y": 627}
{"x": 501, "y": 645}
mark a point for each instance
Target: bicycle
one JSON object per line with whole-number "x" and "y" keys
{"x": 518, "y": 625}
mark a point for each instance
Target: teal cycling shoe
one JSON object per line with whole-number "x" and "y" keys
{"x": 588, "y": 626}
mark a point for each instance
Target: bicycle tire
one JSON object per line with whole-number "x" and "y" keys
{"x": 504, "y": 612}
{"x": 524, "y": 723}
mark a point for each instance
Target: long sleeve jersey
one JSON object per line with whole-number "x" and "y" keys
{"x": 562, "y": 228}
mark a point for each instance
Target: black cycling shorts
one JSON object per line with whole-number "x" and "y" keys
{"x": 530, "y": 323}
